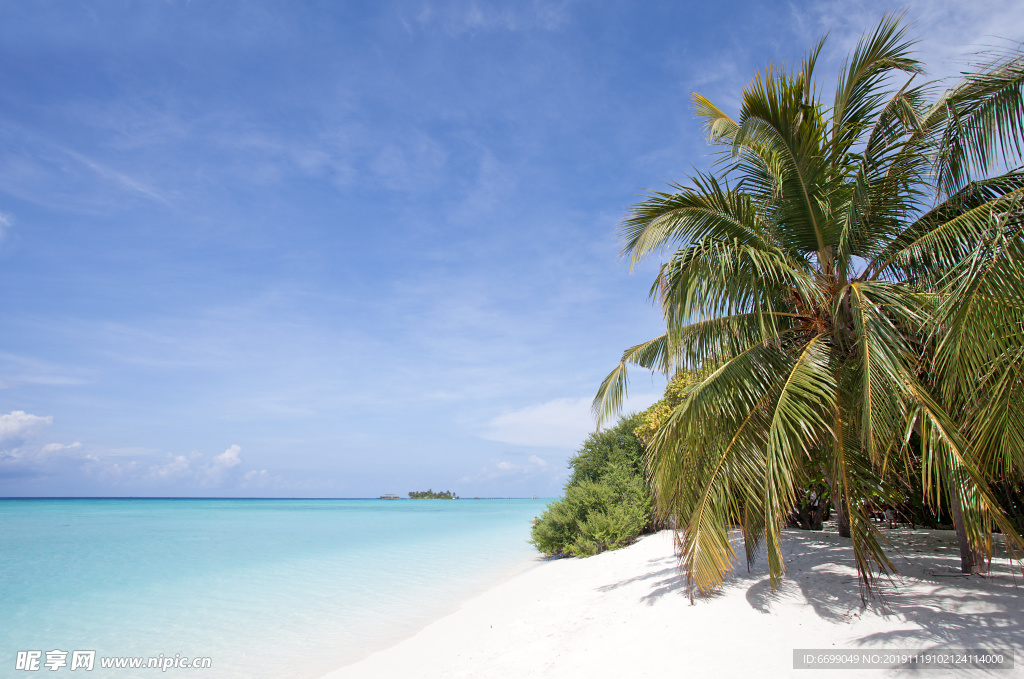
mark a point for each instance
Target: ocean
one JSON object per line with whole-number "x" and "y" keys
{"x": 263, "y": 588}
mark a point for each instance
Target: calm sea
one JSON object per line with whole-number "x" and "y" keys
{"x": 266, "y": 588}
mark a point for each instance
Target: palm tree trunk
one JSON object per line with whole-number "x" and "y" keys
{"x": 971, "y": 560}
{"x": 841, "y": 518}
{"x": 835, "y": 491}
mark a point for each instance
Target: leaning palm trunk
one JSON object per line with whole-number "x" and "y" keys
{"x": 842, "y": 524}
{"x": 848, "y": 276}
{"x": 972, "y": 559}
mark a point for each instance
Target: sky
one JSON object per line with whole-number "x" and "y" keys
{"x": 341, "y": 249}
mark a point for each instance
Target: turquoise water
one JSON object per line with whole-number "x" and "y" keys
{"x": 266, "y": 588}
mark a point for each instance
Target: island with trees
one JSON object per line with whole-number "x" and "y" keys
{"x": 429, "y": 494}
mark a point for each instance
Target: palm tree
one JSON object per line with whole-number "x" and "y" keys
{"x": 849, "y": 277}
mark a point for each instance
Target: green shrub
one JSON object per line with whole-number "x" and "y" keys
{"x": 616, "y": 445}
{"x": 606, "y": 504}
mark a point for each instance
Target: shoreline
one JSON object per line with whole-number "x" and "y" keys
{"x": 395, "y": 636}
{"x": 625, "y": 614}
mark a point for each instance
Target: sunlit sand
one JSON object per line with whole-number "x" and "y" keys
{"x": 626, "y": 614}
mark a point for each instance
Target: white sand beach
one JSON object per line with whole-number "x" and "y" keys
{"x": 625, "y": 614}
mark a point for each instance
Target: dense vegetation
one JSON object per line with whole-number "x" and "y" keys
{"x": 431, "y": 495}
{"x": 607, "y": 503}
{"x": 849, "y": 279}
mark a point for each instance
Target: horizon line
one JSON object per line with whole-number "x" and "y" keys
{"x": 215, "y": 497}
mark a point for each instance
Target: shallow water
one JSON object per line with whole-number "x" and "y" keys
{"x": 265, "y": 588}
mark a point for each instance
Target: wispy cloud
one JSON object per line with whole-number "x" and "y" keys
{"x": 414, "y": 165}
{"x": 61, "y": 447}
{"x": 949, "y": 31}
{"x": 117, "y": 178}
{"x": 6, "y": 222}
{"x": 17, "y": 370}
{"x": 46, "y": 171}
{"x": 458, "y": 17}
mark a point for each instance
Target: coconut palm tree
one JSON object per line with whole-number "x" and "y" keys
{"x": 849, "y": 277}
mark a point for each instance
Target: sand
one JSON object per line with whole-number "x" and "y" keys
{"x": 626, "y": 614}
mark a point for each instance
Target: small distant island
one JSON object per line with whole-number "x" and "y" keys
{"x": 429, "y": 494}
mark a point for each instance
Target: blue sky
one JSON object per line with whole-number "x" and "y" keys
{"x": 338, "y": 249}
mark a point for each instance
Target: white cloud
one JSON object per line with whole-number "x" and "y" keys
{"x": 177, "y": 468}
{"x": 180, "y": 467}
{"x": 263, "y": 480}
{"x": 559, "y": 423}
{"x": 229, "y": 458}
{"x": 141, "y": 469}
{"x": 218, "y": 468}
{"x": 18, "y": 425}
{"x": 503, "y": 468}
{"x": 254, "y": 475}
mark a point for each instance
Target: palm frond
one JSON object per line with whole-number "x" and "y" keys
{"x": 858, "y": 94}
{"x": 707, "y": 209}
{"x": 998, "y": 193}
{"x": 979, "y": 123}
{"x": 884, "y": 356}
{"x": 655, "y": 354}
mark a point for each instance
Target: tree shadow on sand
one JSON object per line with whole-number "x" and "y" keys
{"x": 936, "y": 605}
{"x": 664, "y": 580}
{"x": 931, "y": 604}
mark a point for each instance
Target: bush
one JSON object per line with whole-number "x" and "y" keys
{"x": 607, "y": 503}
{"x": 615, "y": 446}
